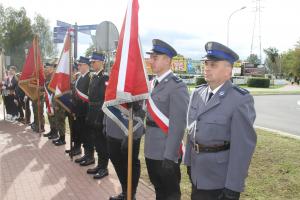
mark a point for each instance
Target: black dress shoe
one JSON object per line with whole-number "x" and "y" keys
{"x": 79, "y": 160}
{"x": 75, "y": 152}
{"x": 121, "y": 196}
{"x": 47, "y": 134}
{"x": 55, "y": 140}
{"x": 101, "y": 173}
{"x": 87, "y": 161}
{"x": 59, "y": 142}
{"x": 53, "y": 136}
{"x": 20, "y": 119}
{"x": 93, "y": 170}
{"x": 68, "y": 151}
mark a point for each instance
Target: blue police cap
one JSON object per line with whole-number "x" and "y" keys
{"x": 161, "y": 47}
{"x": 97, "y": 57}
{"x": 216, "y": 51}
{"x": 83, "y": 60}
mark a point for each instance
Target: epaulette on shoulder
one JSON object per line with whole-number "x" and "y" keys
{"x": 202, "y": 85}
{"x": 240, "y": 90}
{"x": 177, "y": 79}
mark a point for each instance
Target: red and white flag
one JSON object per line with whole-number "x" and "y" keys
{"x": 128, "y": 80}
{"x": 60, "y": 83}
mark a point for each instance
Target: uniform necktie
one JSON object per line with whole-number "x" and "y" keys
{"x": 209, "y": 96}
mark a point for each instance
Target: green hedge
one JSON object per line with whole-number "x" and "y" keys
{"x": 258, "y": 82}
{"x": 200, "y": 81}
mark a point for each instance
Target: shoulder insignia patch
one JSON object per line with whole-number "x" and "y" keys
{"x": 240, "y": 90}
{"x": 202, "y": 85}
{"x": 177, "y": 79}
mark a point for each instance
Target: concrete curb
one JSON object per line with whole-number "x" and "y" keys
{"x": 285, "y": 134}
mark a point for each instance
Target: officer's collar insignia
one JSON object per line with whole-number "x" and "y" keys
{"x": 166, "y": 80}
{"x": 221, "y": 93}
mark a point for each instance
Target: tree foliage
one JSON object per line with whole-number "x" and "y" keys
{"x": 290, "y": 61}
{"x": 272, "y": 60}
{"x": 253, "y": 59}
{"x": 90, "y": 50}
{"x": 42, "y": 29}
{"x": 15, "y": 33}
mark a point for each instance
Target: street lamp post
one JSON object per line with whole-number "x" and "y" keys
{"x": 229, "y": 21}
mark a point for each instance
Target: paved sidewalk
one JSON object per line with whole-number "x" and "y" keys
{"x": 32, "y": 168}
{"x": 286, "y": 88}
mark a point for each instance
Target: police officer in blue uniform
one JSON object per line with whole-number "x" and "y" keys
{"x": 162, "y": 146}
{"x": 221, "y": 138}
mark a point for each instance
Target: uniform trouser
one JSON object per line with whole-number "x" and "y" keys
{"x": 27, "y": 110}
{"x": 37, "y": 110}
{"x": 204, "y": 194}
{"x": 51, "y": 119}
{"x": 79, "y": 129}
{"x": 166, "y": 182}
{"x": 60, "y": 123}
{"x": 97, "y": 140}
{"x": 21, "y": 105}
{"x": 119, "y": 160}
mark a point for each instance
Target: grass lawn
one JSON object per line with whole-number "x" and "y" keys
{"x": 274, "y": 171}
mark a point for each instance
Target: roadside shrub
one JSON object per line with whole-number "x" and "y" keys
{"x": 200, "y": 81}
{"x": 258, "y": 82}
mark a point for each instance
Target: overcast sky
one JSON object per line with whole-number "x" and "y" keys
{"x": 186, "y": 24}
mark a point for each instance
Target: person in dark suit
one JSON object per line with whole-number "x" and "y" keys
{"x": 11, "y": 102}
{"x": 221, "y": 138}
{"x": 166, "y": 121}
{"x": 95, "y": 115}
{"x": 117, "y": 142}
{"x": 80, "y": 101}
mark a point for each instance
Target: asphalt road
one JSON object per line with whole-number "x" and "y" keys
{"x": 279, "y": 112}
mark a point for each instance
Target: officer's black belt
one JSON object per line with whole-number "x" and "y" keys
{"x": 200, "y": 148}
{"x": 95, "y": 103}
{"x": 151, "y": 123}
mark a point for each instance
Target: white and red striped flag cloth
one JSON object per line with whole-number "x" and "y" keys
{"x": 60, "y": 82}
{"x": 128, "y": 80}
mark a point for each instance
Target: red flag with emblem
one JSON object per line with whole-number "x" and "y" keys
{"x": 33, "y": 70}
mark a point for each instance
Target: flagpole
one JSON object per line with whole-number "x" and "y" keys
{"x": 130, "y": 139}
{"x": 71, "y": 114}
{"x": 37, "y": 69}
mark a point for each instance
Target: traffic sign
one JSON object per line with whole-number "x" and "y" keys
{"x": 60, "y": 29}
{"x": 61, "y": 23}
{"x": 87, "y": 27}
{"x": 58, "y": 41}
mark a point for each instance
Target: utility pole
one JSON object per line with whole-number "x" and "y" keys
{"x": 257, "y": 13}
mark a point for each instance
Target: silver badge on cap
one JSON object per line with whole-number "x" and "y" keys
{"x": 221, "y": 93}
{"x": 209, "y": 45}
